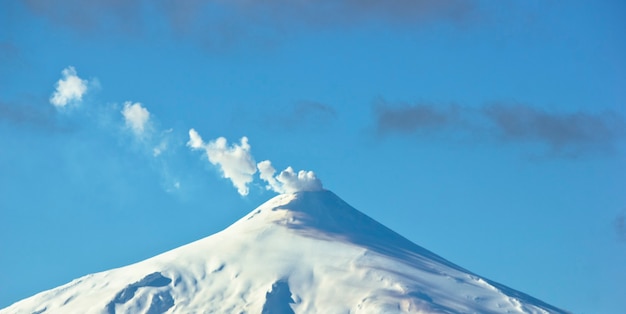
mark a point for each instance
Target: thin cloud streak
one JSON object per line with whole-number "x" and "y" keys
{"x": 30, "y": 116}
{"x": 408, "y": 119}
{"x": 86, "y": 16}
{"x": 222, "y": 22}
{"x": 342, "y": 12}
{"x": 565, "y": 134}
{"x": 302, "y": 115}
{"x": 313, "y": 110}
{"x": 575, "y": 132}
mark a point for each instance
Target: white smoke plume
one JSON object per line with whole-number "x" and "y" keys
{"x": 69, "y": 89}
{"x": 288, "y": 181}
{"x": 266, "y": 172}
{"x": 235, "y": 161}
{"x": 237, "y": 164}
{"x": 136, "y": 118}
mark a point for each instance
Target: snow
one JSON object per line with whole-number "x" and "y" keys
{"x": 306, "y": 252}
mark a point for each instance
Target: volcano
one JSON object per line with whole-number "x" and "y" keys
{"x": 305, "y": 252}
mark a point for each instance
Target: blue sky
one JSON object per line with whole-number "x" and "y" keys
{"x": 490, "y": 133}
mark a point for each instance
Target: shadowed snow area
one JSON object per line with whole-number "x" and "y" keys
{"x": 160, "y": 302}
{"x": 306, "y": 252}
{"x": 323, "y": 215}
{"x": 278, "y": 300}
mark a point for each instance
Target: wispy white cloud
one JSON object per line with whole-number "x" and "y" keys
{"x": 159, "y": 148}
{"x": 136, "y": 117}
{"x": 163, "y": 144}
{"x": 234, "y": 161}
{"x": 69, "y": 89}
{"x": 288, "y": 181}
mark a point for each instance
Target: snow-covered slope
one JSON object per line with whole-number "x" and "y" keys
{"x": 307, "y": 252}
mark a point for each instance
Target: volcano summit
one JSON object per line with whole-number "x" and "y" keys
{"x": 306, "y": 252}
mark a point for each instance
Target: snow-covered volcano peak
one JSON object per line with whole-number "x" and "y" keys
{"x": 321, "y": 211}
{"x": 323, "y": 215}
{"x": 317, "y": 212}
{"x": 306, "y": 252}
